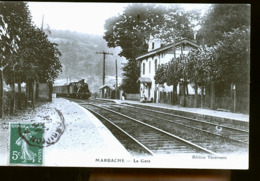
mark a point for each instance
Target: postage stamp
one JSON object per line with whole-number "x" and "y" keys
{"x": 26, "y": 144}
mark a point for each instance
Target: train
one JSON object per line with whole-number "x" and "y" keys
{"x": 77, "y": 90}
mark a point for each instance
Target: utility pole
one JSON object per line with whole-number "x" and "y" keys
{"x": 42, "y": 22}
{"x": 116, "y": 96}
{"x": 174, "y": 48}
{"x": 174, "y": 86}
{"x": 104, "y": 60}
{"x": 116, "y": 75}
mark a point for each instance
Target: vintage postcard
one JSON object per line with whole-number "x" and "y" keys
{"x": 124, "y": 85}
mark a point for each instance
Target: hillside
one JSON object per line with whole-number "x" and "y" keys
{"x": 80, "y": 60}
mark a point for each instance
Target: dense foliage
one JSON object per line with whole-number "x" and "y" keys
{"x": 26, "y": 53}
{"x": 131, "y": 72}
{"x": 223, "y": 18}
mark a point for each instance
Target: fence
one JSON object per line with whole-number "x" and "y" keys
{"x": 44, "y": 90}
{"x": 165, "y": 97}
{"x": 20, "y": 102}
{"x": 241, "y": 105}
{"x": 225, "y": 103}
{"x": 134, "y": 97}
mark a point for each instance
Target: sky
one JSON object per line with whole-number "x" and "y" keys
{"x": 80, "y": 17}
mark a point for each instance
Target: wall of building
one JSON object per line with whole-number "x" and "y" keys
{"x": 107, "y": 92}
{"x": 43, "y": 91}
{"x": 150, "y": 70}
{"x": 135, "y": 97}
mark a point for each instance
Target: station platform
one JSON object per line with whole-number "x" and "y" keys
{"x": 193, "y": 112}
{"x": 85, "y": 142}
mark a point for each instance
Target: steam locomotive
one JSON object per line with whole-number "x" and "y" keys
{"x": 73, "y": 90}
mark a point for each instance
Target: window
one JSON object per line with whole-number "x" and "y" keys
{"x": 155, "y": 65}
{"x": 153, "y": 45}
{"x": 143, "y": 68}
{"x": 162, "y": 55}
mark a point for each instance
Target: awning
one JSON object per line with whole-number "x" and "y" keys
{"x": 144, "y": 80}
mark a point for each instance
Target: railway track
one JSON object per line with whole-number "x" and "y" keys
{"x": 152, "y": 139}
{"x": 223, "y": 122}
{"x": 202, "y": 133}
{"x": 226, "y": 132}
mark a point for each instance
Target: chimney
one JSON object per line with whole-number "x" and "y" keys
{"x": 154, "y": 43}
{"x": 195, "y": 36}
{"x": 150, "y": 44}
{"x": 157, "y": 43}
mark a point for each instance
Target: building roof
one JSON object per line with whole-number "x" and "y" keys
{"x": 167, "y": 47}
{"x": 107, "y": 85}
{"x": 144, "y": 80}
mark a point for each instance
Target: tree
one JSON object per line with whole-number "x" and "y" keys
{"x": 161, "y": 74}
{"x": 48, "y": 56}
{"x": 233, "y": 56}
{"x": 199, "y": 69}
{"x": 30, "y": 56}
{"x": 226, "y": 62}
{"x": 171, "y": 73}
{"x": 174, "y": 75}
{"x": 14, "y": 16}
{"x": 216, "y": 30}
{"x": 5, "y": 46}
{"x": 208, "y": 68}
{"x": 131, "y": 72}
{"x": 40, "y": 63}
{"x": 132, "y": 30}
{"x": 221, "y": 65}
{"x": 176, "y": 25}
{"x": 223, "y": 18}
{"x": 37, "y": 60}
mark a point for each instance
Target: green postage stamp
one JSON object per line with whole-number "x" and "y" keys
{"x": 26, "y": 144}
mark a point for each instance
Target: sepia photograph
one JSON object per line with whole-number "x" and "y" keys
{"x": 125, "y": 85}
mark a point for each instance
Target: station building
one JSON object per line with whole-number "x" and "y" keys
{"x": 108, "y": 91}
{"x": 158, "y": 55}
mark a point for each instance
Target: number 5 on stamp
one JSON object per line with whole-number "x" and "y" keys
{"x": 26, "y": 146}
